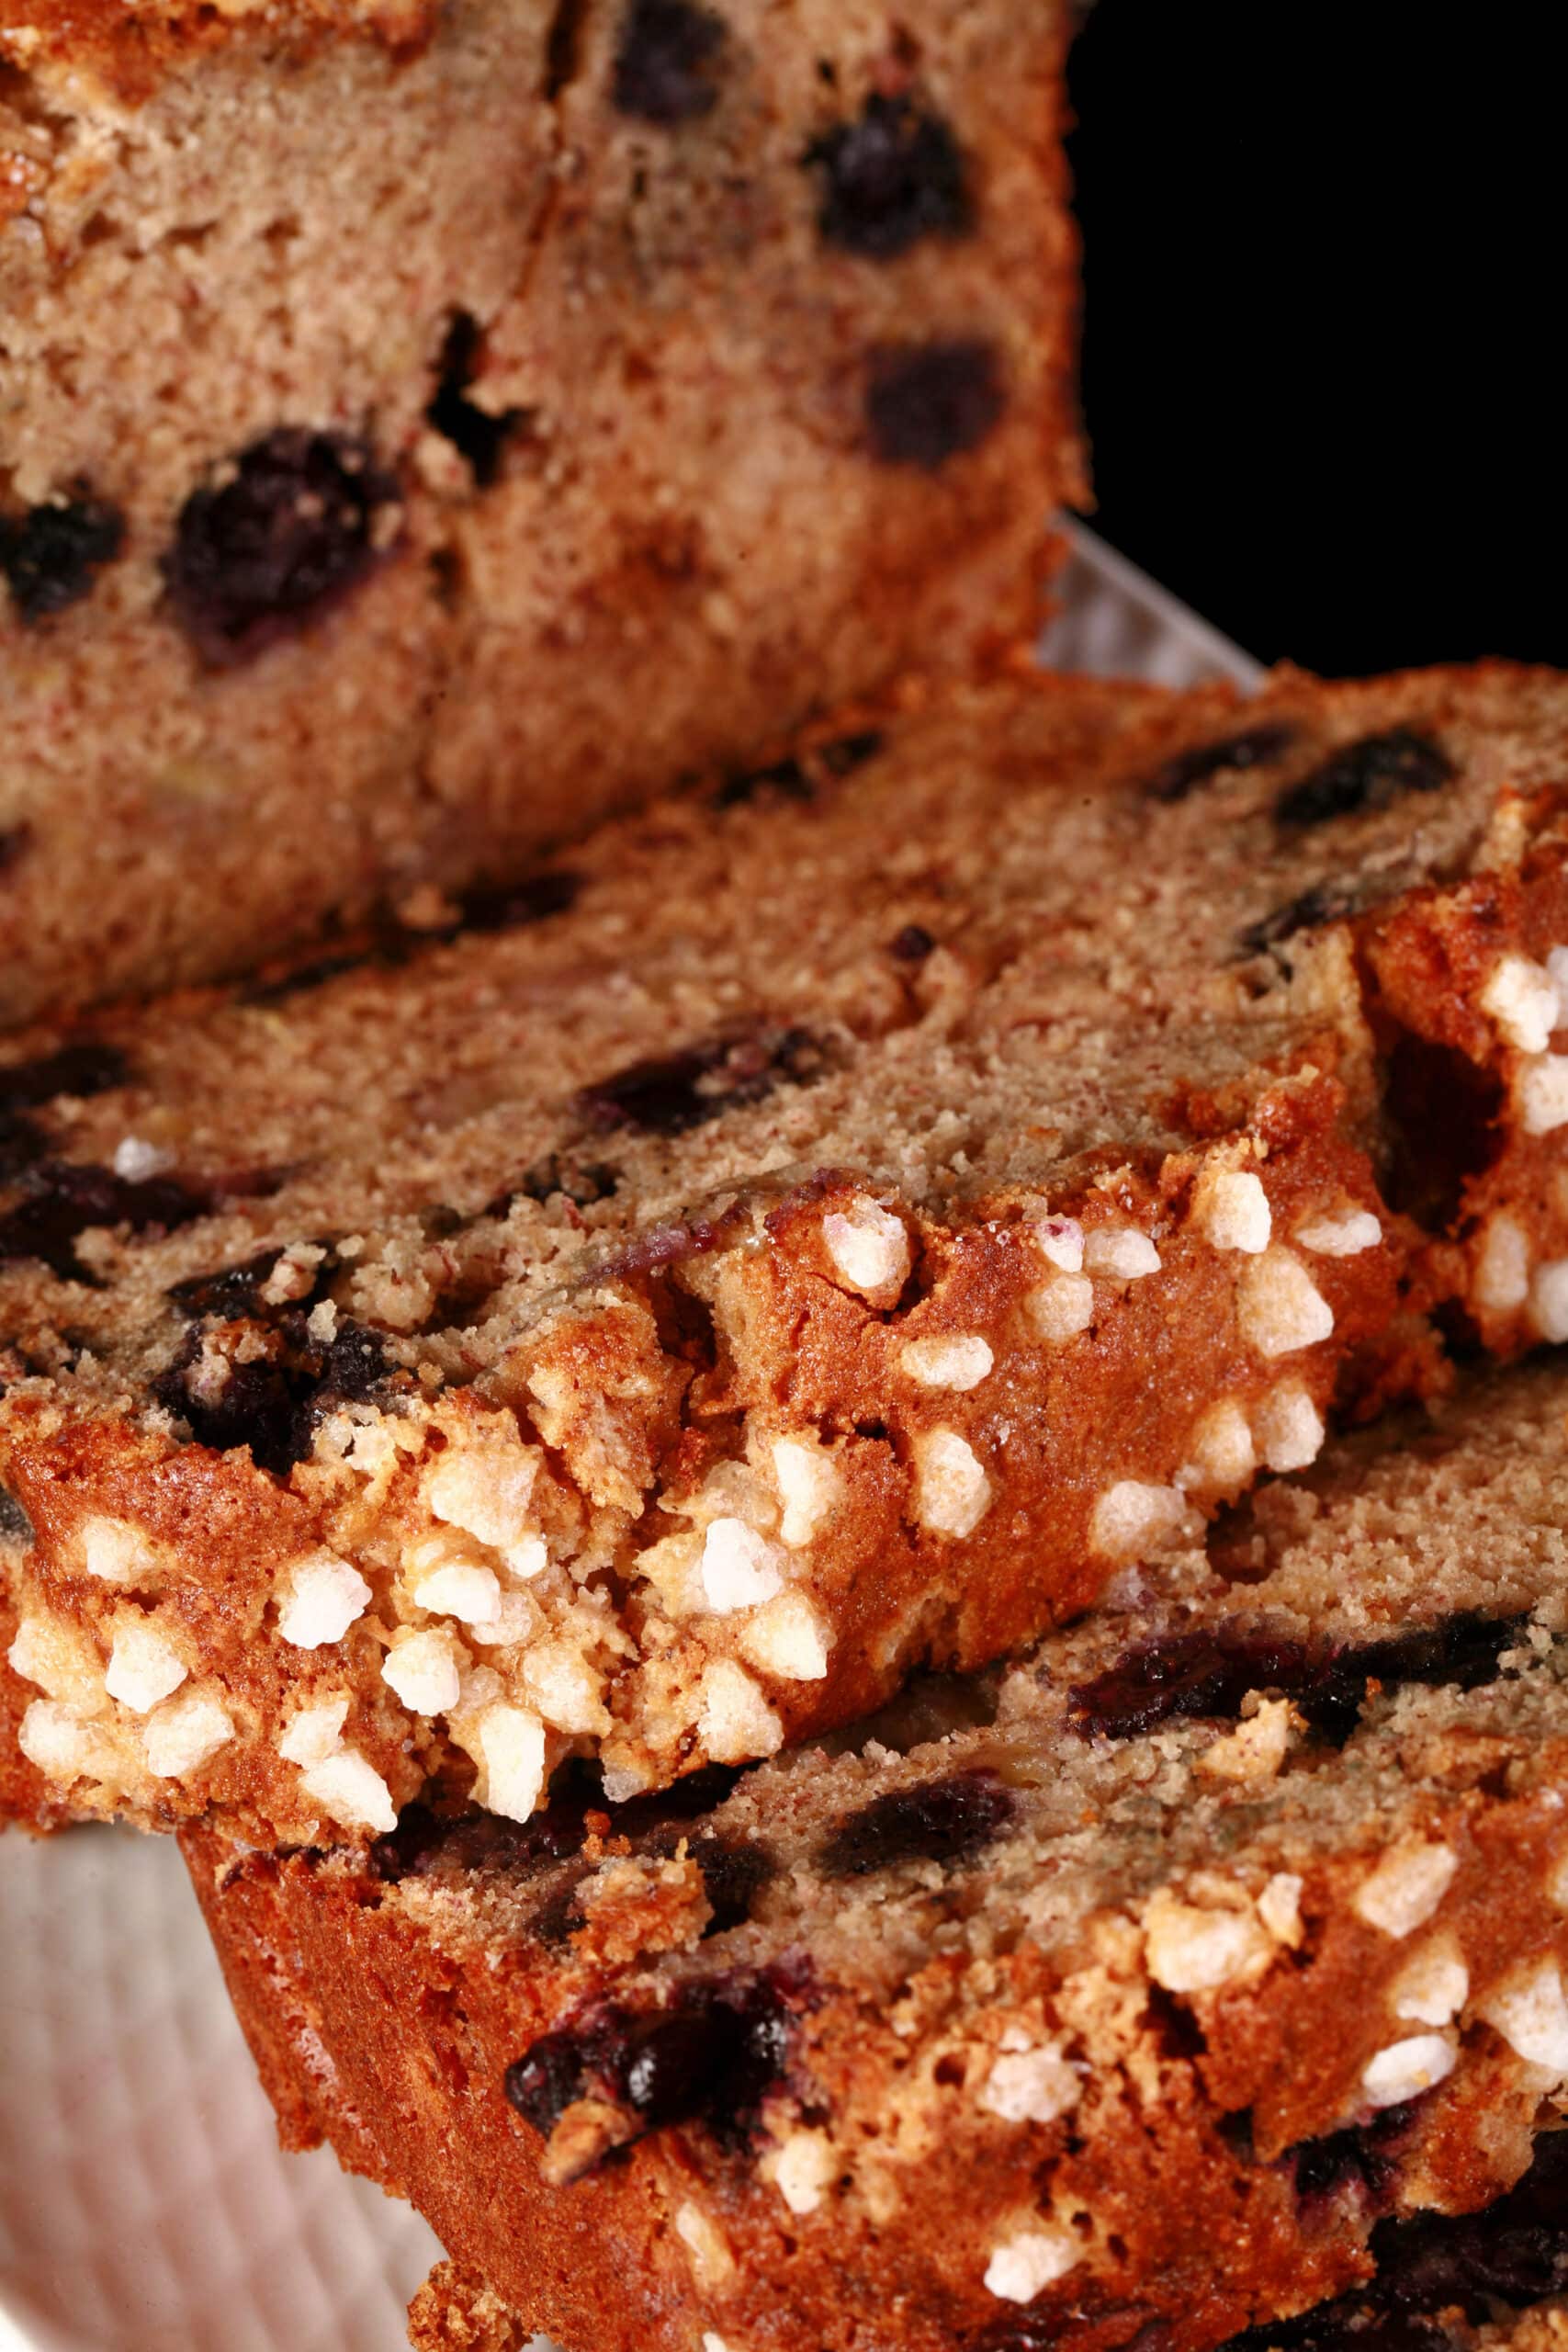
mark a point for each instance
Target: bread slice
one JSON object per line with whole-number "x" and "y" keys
{"x": 1142, "y": 1990}
{"x": 428, "y": 423}
{"x": 831, "y": 1227}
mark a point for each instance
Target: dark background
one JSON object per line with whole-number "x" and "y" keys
{"x": 1326, "y": 292}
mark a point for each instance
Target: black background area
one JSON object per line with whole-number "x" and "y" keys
{"x": 1326, "y": 308}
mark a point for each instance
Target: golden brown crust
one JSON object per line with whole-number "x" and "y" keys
{"x": 129, "y": 46}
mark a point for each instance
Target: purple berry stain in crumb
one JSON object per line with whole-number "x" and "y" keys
{"x": 1513, "y": 2252}
{"x": 711, "y": 2058}
{"x": 426, "y": 1841}
{"x": 1324, "y": 903}
{"x": 1183, "y": 773}
{"x": 479, "y": 436}
{"x": 888, "y": 180}
{"x": 937, "y": 1821}
{"x": 666, "y": 60}
{"x": 276, "y": 540}
{"x": 1208, "y": 1673}
{"x": 672, "y": 1093}
{"x": 84, "y": 1069}
{"x": 912, "y": 944}
{"x": 272, "y": 1402}
{"x": 51, "y": 555}
{"x": 788, "y": 779}
{"x": 60, "y": 1200}
{"x": 1370, "y": 774}
{"x": 929, "y": 402}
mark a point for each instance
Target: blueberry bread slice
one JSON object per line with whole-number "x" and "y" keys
{"x": 426, "y": 426}
{"x": 830, "y": 1226}
{"x": 1124, "y": 1994}
{"x": 1492, "y": 2281}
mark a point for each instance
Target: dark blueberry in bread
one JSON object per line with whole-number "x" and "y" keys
{"x": 277, "y": 539}
{"x": 62, "y": 1200}
{"x": 1187, "y": 770}
{"x": 670, "y": 1094}
{"x": 1324, "y": 903}
{"x": 52, "y": 554}
{"x": 926, "y": 402}
{"x": 1372, "y": 774}
{"x": 888, "y": 180}
{"x": 943, "y": 1821}
{"x": 664, "y": 65}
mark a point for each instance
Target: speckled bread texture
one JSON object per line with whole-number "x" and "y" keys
{"x": 847, "y": 1218}
{"x": 1127, "y": 1989}
{"x": 422, "y": 428}
{"x": 1481, "y": 2282}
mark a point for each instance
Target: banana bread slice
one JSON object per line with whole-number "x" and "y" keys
{"x": 1118, "y": 1995}
{"x": 829, "y": 1228}
{"x": 424, "y": 426}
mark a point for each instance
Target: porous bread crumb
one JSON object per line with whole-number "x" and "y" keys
{"x": 739, "y": 1569}
{"x": 1120, "y": 1253}
{"x": 348, "y": 1787}
{"x": 1232, "y": 1210}
{"x": 870, "y": 1248}
{"x": 324, "y": 1597}
{"x": 1404, "y": 2069}
{"x": 1531, "y": 2015}
{"x": 960, "y": 1361}
{"x": 1280, "y": 1307}
{"x": 1344, "y": 1233}
{"x": 1024, "y": 2265}
{"x": 736, "y": 1721}
{"x": 143, "y": 1666}
{"x": 952, "y": 1493}
{"x": 183, "y": 1733}
{"x": 1434, "y": 1984}
{"x": 1132, "y": 1517}
{"x": 1060, "y": 1308}
{"x": 1403, "y": 1890}
{"x": 1522, "y": 999}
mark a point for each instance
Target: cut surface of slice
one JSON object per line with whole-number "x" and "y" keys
{"x": 1150, "y": 1983}
{"x": 424, "y": 427}
{"x": 833, "y": 1227}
